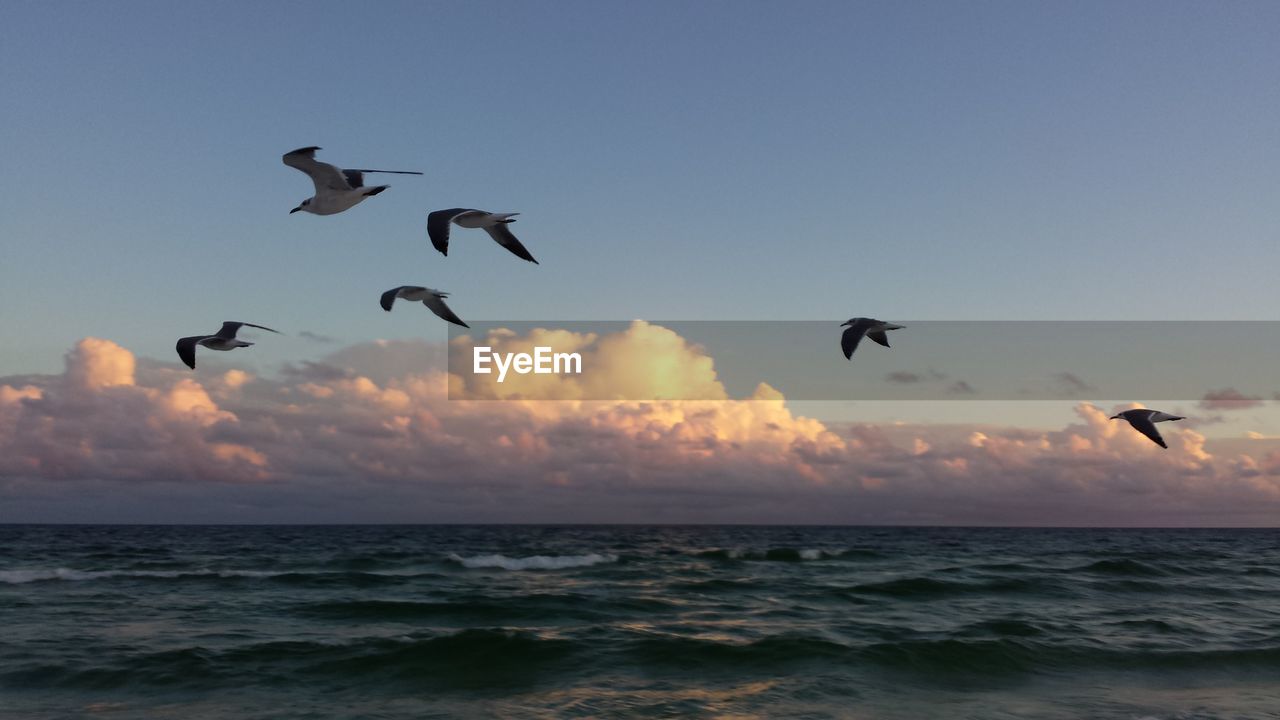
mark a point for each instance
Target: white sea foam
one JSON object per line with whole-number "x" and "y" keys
{"x": 18, "y": 577}
{"x": 534, "y": 562}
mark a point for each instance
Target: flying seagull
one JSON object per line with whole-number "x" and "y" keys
{"x": 874, "y": 329}
{"x": 224, "y": 339}
{"x": 336, "y": 189}
{"x": 433, "y": 299}
{"x": 493, "y": 223}
{"x": 1144, "y": 421}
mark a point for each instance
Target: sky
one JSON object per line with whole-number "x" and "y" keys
{"x": 722, "y": 161}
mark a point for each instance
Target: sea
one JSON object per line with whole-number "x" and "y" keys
{"x": 452, "y": 621}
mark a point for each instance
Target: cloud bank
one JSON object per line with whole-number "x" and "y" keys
{"x": 368, "y": 434}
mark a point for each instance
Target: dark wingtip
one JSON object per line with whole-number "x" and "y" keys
{"x": 310, "y": 148}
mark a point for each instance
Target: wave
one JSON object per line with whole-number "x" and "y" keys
{"x": 492, "y": 657}
{"x": 543, "y": 608}
{"x": 471, "y": 657}
{"x": 19, "y": 577}
{"x": 533, "y": 562}
{"x": 786, "y": 554}
{"x": 1126, "y": 567}
{"x": 919, "y": 588}
{"x": 303, "y": 577}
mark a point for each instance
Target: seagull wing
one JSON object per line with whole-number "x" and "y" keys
{"x": 438, "y": 227}
{"x": 389, "y": 298}
{"x": 1142, "y": 423}
{"x": 187, "y": 349}
{"x": 355, "y": 178}
{"x": 850, "y": 339}
{"x": 326, "y": 177}
{"x": 504, "y": 237}
{"x": 231, "y": 327}
{"x": 389, "y": 172}
{"x": 437, "y": 306}
{"x": 879, "y": 337}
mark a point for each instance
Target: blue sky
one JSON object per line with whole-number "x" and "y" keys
{"x": 715, "y": 161}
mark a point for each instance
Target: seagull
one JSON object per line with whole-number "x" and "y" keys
{"x": 493, "y": 223}
{"x": 224, "y": 339}
{"x": 1144, "y": 421}
{"x": 874, "y": 329}
{"x": 433, "y": 299}
{"x": 336, "y": 189}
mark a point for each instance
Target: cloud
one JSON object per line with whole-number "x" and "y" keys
{"x": 960, "y": 387}
{"x": 317, "y": 337}
{"x": 95, "y": 363}
{"x": 369, "y": 434}
{"x": 643, "y": 362}
{"x": 905, "y": 378}
{"x": 1229, "y": 399}
{"x": 308, "y": 370}
{"x": 1072, "y": 384}
{"x": 908, "y": 378}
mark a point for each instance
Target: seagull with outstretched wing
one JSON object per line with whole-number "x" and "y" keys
{"x": 225, "y": 339}
{"x": 433, "y": 299}
{"x": 1144, "y": 421}
{"x": 858, "y": 327}
{"x": 336, "y": 189}
{"x": 493, "y": 223}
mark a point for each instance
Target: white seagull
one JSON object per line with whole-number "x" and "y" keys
{"x": 493, "y": 223}
{"x": 433, "y": 299}
{"x": 874, "y": 329}
{"x": 1144, "y": 421}
{"x": 336, "y": 189}
{"x": 224, "y": 339}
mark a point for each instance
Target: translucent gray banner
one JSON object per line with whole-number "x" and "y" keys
{"x": 1216, "y": 362}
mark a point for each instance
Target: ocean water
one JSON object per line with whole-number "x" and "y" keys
{"x": 671, "y": 622}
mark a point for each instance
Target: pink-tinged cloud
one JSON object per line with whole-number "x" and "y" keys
{"x": 1229, "y": 399}
{"x": 369, "y": 434}
{"x": 643, "y": 362}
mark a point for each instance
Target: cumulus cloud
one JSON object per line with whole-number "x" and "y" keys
{"x": 95, "y": 363}
{"x": 1229, "y": 399}
{"x": 370, "y": 433}
{"x": 644, "y": 362}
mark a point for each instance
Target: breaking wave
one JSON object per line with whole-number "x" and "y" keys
{"x": 533, "y": 562}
